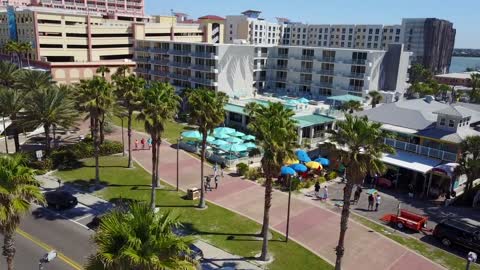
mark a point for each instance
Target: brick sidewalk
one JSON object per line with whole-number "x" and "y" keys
{"x": 311, "y": 225}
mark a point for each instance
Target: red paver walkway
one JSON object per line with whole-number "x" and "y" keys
{"x": 311, "y": 225}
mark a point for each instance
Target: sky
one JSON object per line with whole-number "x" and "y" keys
{"x": 463, "y": 13}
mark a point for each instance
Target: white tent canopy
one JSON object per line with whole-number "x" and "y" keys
{"x": 411, "y": 161}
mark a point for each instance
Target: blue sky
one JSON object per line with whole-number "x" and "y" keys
{"x": 463, "y": 13}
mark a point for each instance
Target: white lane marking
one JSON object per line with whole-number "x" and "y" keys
{"x": 59, "y": 214}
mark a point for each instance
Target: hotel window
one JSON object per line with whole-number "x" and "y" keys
{"x": 451, "y": 123}
{"x": 442, "y": 121}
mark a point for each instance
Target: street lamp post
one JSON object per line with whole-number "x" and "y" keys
{"x": 471, "y": 258}
{"x": 288, "y": 209}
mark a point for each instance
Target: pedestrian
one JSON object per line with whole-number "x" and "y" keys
{"x": 222, "y": 167}
{"x": 215, "y": 168}
{"x": 370, "y": 202}
{"x": 136, "y": 144}
{"x": 356, "y": 195}
{"x": 216, "y": 181}
{"x": 149, "y": 142}
{"x": 378, "y": 201}
{"x": 142, "y": 141}
{"x": 325, "y": 193}
{"x": 317, "y": 189}
{"x": 207, "y": 184}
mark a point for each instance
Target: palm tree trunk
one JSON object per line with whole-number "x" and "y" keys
{"x": 16, "y": 139}
{"x": 129, "y": 134}
{"x": 9, "y": 249}
{"x": 154, "y": 171}
{"x": 96, "y": 150}
{"x": 46, "y": 128}
{"x": 266, "y": 217}
{"x": 92, "y": 124}
{"x": 340, "y": 249}
{"x": 54, "y": 133}
{"x": 102, "y": 129}
{"x": 201, "y": 204}
{"x": 157, "y": 174}
{"x": 5, "y": 134}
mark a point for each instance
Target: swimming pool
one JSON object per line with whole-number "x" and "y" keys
{"x": 265, "y": 103}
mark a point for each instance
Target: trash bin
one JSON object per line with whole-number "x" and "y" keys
{"x": 193, "y": 193}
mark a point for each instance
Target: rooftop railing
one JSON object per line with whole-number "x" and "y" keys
{"x": 422, "y": 150}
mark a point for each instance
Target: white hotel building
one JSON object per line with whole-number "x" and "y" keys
{"x": 242, "y": 70}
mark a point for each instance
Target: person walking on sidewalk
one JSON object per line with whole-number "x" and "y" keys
{"x": 378, "y": 201}
{"x": 356, "y": 195}
{"x": 325, "y": 193}
{"x": 371, "y": 200}
{"x": 142, "y": 141}
{"x": 317, "y": 189}
{"x": 136, "y": 144}
{"x": 149, "y": 142}
{"x": 216, "y": 180}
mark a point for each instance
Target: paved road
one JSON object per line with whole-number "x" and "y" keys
{"x": 45, "y": 229}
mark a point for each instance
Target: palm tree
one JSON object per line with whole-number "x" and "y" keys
{"x": 12, "y": 101}
{"x": 94, "y": 96}
{"x": 103, "y": 70}
{"x": 18, "y": 190}
{"x": 360, "y": 146}
{"x": 33, "y": 80}
{"x": 352, "y": 106}
{"x": 25, "y": 48}
{"x": 206, "y": 111}
{"x": 52, "y": 106}
{"x": 475, "y": 83}
{"x": 13, "y": 48}
{"x": 140, "y": 239}
{"x": 469, "y": 162}
{"x": 160, "y": 104}
{"x": 129, "y": 92}
{"x": 122, "y": 71}
{"x": 9, "y": 74}
{"x": 276, "y": 135}
{"x": 376, "y": 98}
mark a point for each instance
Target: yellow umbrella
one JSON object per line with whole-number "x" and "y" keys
{"x": 314, "y": 165}
{"x": 290, "y": 161}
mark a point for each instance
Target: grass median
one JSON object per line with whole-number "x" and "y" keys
{"x": 216, "y": 225}
{"x": 172, "y": 128}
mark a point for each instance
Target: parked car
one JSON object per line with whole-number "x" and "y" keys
{"x": 462, "y": 232}
{"x": 60, "y": 199}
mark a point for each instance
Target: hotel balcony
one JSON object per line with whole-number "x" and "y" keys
{"x": 179, "y": 64}
{"x": 325, "y": 72}
{"x": 178, "y": 52}
{"x": 326, "y": 59}
{"x": 159, "y": 61}
{"x": 142, "y": 70}
{"x": 204, "y": 68}
{"x": 159, "y": 50}
{"x": 179, "y": 76}
{"x": 303, "y": 70}
{"x": 422, "y": 150}
{"x": 207, "y": 55}
{"x": 280, "y": 56}
{"x": 204, "y": 81}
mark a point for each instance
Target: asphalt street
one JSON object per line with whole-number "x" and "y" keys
{"x": 64, "y": 231}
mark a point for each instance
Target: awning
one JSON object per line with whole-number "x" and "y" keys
{"x": 447, "y": 169}
{"x": 411, "y": 161}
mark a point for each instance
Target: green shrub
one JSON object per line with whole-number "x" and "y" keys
{"x": 295, "y": 184}
{"x": 110, "y": 147}
{"x": 242, "y": 168}
{"x": 331, "y": 176}
{"x": 64, "y": 159}
{"x": 42, "y": 165}
{"x": 321, "y": 179}
{"x": 253, "y": 174}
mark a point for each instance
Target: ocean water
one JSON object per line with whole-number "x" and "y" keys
{"x": 460, "y": 64}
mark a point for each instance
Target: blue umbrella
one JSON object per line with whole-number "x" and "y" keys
{"x": 285, "y": 170}
{"x": 302, "y": 156}
{"x": 238, "y": 134}
{"x": 225, "y": 130}
{"x": 323, "y": 161}
{"x": 191, "y": 135}
{"x": 233, "y": 148}
{"x": 221, "y": 135}
{"x": 234, "y": 140}
{"x": 299, "y": 167}
{"x": 219, "y": 142}
{"x": 291, "y": 102}
{"x": 249, "y": 138}
{"x": 249, "y": 145}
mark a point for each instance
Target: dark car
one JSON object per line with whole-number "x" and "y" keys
{"x": 462, "y": 232}
{"x": 60, "y": 200}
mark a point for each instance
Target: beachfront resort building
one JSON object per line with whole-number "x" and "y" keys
{"x": 427, "y": 142}
{"x": 241, "y": 71}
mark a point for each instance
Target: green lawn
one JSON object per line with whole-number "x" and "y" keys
{"x": 437, "y": 255}
{"x": 220, "y": 227}
{"x": 172, "y": 128}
